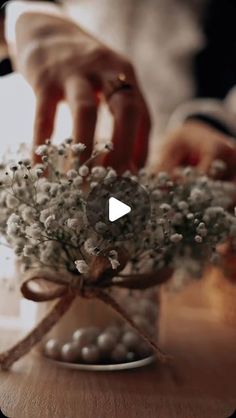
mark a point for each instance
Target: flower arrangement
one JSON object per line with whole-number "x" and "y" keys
{"x": 43, "y": 218}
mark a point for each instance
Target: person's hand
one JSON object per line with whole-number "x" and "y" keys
{"x": 197, "y": 144}
{"x": 62, "y": 62}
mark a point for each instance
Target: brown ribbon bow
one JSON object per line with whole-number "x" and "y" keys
{"x": 40, "y": 285}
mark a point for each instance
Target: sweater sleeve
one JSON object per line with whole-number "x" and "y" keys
{"x": 220, "y": 114}
{"x": 3, "y": 4}
{"x": 17, "y": 7}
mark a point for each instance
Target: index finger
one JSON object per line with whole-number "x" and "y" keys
{"x": 131, "y": 119}
{"x": 140, "y": 150}
{"x": 46, "y": 106}
{"x": 82, "y": 101}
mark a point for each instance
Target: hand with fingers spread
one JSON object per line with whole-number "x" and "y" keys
{"x": 198, "y": 144}
{"x": 63, "y": 62}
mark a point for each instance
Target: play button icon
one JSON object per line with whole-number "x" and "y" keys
{"x": 117, "y": 209}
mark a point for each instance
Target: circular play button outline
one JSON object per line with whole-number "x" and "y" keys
{"x": 118, "y": 208}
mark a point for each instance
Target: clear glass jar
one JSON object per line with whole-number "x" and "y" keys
{"x": 92, "y": 333}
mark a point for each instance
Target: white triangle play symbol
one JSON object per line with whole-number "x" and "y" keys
{"x": 117, "y": 209}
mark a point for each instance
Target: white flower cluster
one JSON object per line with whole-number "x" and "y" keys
{"x": 43, "y": 215}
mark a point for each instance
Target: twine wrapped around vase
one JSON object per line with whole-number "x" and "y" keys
{"x": 40, "y": 285}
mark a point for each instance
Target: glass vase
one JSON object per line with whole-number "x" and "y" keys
{"x": 91, "y": 335}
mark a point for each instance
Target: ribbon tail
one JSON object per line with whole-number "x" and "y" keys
{"x": 8, "y": 357}
{"x": 108, "y": 300}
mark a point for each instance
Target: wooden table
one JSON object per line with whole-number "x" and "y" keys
{"x": 201, "y": 383}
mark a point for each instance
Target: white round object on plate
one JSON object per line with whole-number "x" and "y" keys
{"x": 70, "y": 352}
{"x": 85, "y": 336}
{"x": 90, "y": 354}
{"x": 119, "y": 353}
{"x": 106, "y": 341}
{"x": 52, "y": 349}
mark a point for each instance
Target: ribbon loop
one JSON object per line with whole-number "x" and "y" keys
{"x": 40, "y": 285}
{"x": 41, "y": 290}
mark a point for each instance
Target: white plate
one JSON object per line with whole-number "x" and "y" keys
{"x": 105, "y": 367}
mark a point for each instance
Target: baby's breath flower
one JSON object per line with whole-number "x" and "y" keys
{"x": 188, "y": 171}
{"x": 44, "y": 158}
{"x": 78, "y": 181}
{"x": 39, "y": 172}
{"x": 82, "y": 266}
{"x": 42, "y": 198}
{"x": 13, "y": 218}
{"x": 170, "y": 183}
{"x": 197, "y": 196}
{"x": 73, "y": 223}
{"x": 177, "y": 218}
{"x": 113, "y": 254}
{"x": 101, "y": 227}
{"x": 44, "y": 218}
{"x": 175, "y": 238}
{"x": 54, "y": 189}
{"x": 12, "y": 229}
{"x": 72, "y": 174}
{"x": 46, "y": 186}
{"x": 163, "y": 176}
{"x": 93, "y": 184}
{"x": 127, "y": 174}
{"x": 113, "y": 258}
{"x": 50, "y": 221}
{"x": 44, "y": 214}
{"x": 98, "y": 172}
{"x": 33, "y": 231}
{"x": 109, "y": 147}
{"x": 202, "y": 231}
{"x": 90, "y": 246}
{"x": 114, "y": 263}
{"x": 61, "y": 151}
{"x": 26, "y": 162}
{"x": 13, "y": 167}
{"x": 182, "y": 205}
{"x": 69, "y": 141}
{"x": 41, "y": 150}
{"x": 142, "y": 172}
{"x": 198, "y": 239}
{"x": 111, "y": 174}
{"x": 83, "y": 170}
{"x": 28, "y": 250}
{"x": 78, "y": 148}
{"x": 218, "y": 166}
{"x": 157, "y": 195}
{"x": 165, "y": 207}
{"x": 11, "y": 202}
{"x": 214, "y": 212}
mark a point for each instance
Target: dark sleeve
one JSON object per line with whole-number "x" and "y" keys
{"x": 2, "y": 4}
{"x": 215, "y": 64}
